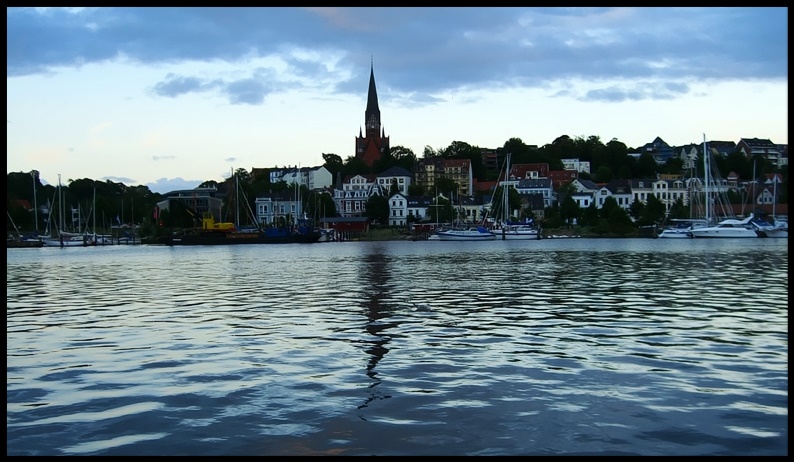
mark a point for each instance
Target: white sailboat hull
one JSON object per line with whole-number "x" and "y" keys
{"x": 518, "y": 234}
{"x": 471, "y": 234}
{"x": 675, "y": 234}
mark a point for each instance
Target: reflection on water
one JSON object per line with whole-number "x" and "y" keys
{"x": 576, "y": 346}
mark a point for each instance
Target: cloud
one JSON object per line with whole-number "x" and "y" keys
{"x": 636, "y": 92}
{"x": 424, "y": 50}
{"x": 167, "y": 185}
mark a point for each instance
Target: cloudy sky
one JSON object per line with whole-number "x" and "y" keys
{"x": 171, "y": 97}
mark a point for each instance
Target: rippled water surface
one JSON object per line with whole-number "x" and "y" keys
{"x": 552, "y": 347}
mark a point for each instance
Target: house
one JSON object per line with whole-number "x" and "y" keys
{"x": 398, "y": 210}
{"x": 397, "y": 176}
{"x": 539, "y": 186}
{"x": 620, "y": 190}
{"x": 313, "y": 178}
{"x": 576, "y": 165}
{"x": 529, "y": 171}
{"x": 428, "y": 170}
{"x": 660, "y": 150}
{"x": 560, "y": 178}
{"x": 666, "y": 191}
{"x": 535, "y": 204}
{"x": 278, "y": 209}
{"x": 351, "y": 200}
{"x": 762, "y": 147}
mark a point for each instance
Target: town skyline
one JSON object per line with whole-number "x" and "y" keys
{"x": 265, "y": 87}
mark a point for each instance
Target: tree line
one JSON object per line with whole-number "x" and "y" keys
{"x": 135, "y": 204}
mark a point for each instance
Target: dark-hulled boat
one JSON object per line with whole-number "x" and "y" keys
{"x": 211, "y": 233}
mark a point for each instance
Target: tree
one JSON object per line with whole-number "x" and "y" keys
{"x": 603, "y": 174}
{"x": 378, "y": 209}
{"x": 355, "y": 166}
{"x": 440, "y": 210}
{"x": 385, "y": 162}
{"x": 589, "y": 216}
{"x": 653, "y": 212}
{"x": 636, "y": 208}
{"x": 569, "y": 209}
{"x": 416, "y": 190}
{"x": 678, "y": 209}
{"x": 614, "y": 218}
{"x": 646, "y": 166}
{"x": 333, "y": 163}
{"x": 446, "y": 185}
{"x": 320, "y": 204}
{"x": 393, "y": 188}
{"x": 430, "y": 152}
{"x": 209, "y": 184}
{"x": 403, "y": 157}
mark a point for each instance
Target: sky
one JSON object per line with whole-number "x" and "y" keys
{"x": 172, "y": 97}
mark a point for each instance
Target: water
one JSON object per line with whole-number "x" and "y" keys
{"x": 552, "y": 347}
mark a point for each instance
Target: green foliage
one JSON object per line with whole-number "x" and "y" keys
{"x": 569, "y": 209}
{"x": 646, "y": 166}
{"x": 378, "y": 210}
{"x": 440, "y": 210}
{"x": 652, "y": 213}
{"x": 679, "y": 210}
{"x": 393, "y": 188}
{"x": 333, "y": 163}
{"x": 319, "y": 204}
{"x": 589, "y": 216}
{"x": 416, "y": 190}
{"x": 603, "y": 174}
{"x": 447, "y": 186}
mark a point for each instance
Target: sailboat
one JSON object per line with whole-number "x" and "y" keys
{"x": 777, "y": 228}
{"x": 64, "y": 238}
{"x": 507, "y": 229}
{"x": 729, "y": 226}
{"x": 680, "y": 228}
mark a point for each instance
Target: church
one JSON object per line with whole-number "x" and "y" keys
{"x": 373, "y": 143}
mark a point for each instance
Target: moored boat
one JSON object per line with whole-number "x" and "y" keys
{"x": 211, "y": 233}
{"x": 728, "y": 228}
{"x": 764, "y": 228}
{"x": 680, "y": 228}
{"x": 21, "y": 243}
{"x": 474, "y": 233}
{"x": 513, "y": 232}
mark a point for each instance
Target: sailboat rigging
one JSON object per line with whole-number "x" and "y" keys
{"x": 508, "y": 229}
{"x": 729, "y": 226}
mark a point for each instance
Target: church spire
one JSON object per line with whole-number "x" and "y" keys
{"x": 372, "y": 113}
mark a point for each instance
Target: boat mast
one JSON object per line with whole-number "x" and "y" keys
{"x": 93, "y": 207}
{"x": 60, "y": 210}
{"x": 774, "y": 196}
{"x": 706, "y": 178}
{"x": 505, "y": 194}
{"x": 35, "y": 205}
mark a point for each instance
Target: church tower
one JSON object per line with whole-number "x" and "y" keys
{"x": 374, "y": 143}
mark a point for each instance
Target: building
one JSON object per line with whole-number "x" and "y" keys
{"x": 373, "y": 143}
{"x": 752, "y": 147}
{"x": 351, "y": 200}
{"x": 197, "y": 202}
{"x": 428, "y": 170}
{"x": 395, "y": 176}
{"x": 280, "y": 209}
